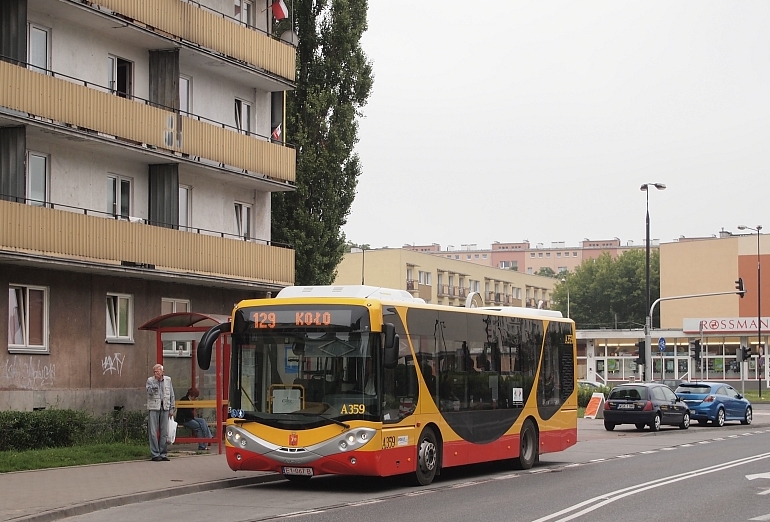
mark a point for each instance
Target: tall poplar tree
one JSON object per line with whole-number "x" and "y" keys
{"x": 334, "y": 80}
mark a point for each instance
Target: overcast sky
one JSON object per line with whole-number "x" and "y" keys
{"x": 505, "y": 120}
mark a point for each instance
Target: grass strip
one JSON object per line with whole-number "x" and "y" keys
{"x": 71, "y": 456}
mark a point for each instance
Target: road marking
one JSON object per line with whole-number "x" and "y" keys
{"x": 591, "y": 504}
{"x": 761, "y": 517}
{"x": 667, "y": 449}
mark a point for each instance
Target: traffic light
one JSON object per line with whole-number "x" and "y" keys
{"x": 739, "y": 286}
{"x": 745, "y": 353}
{"x": 695, "y": 349}
{"x": 640, "y": 347}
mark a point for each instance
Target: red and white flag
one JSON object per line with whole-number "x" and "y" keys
{"x": 279, "y": 10}
{"x": 277, "y": 132}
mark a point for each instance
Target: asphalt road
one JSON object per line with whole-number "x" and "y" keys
{"x": 703, "y": 473}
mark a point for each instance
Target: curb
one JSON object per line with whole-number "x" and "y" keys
{"x": 110, "y": 502}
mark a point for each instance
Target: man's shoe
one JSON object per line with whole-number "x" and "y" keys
{"x": 165, "y": 459}
{"x": 156, "y": 459}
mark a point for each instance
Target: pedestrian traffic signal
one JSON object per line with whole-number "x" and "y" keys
{"x": 739, "y": 286}
{"x": 640, "y": 346}
{"x": 695, "y": 349}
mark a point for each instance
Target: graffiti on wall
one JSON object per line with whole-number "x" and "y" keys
{"x": 28, "y": 374}
{"x": 113, "y": 364}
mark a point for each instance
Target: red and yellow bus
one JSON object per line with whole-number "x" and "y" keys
{"x": 359, "y": 380}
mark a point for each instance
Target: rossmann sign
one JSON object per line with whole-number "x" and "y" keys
{"x": 724, "y": 325}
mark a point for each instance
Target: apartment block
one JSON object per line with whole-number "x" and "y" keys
{"x": 140, "y": 142}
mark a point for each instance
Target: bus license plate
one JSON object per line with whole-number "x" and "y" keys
{"x": 298, "y": 471}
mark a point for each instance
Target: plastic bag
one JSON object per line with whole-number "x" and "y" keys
{"x": 172, "y": 424}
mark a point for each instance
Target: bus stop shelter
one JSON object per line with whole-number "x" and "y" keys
{"x": 177, "y": 338}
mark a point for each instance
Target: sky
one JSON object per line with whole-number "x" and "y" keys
{"x": 508, "y": 121}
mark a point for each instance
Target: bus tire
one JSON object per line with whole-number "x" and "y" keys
{"x": 528, "y": 446}
{"x": 427, "y": 458}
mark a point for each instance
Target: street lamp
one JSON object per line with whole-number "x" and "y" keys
{"x": 648, "y": 320}
{"x": 759, "y": 303}
{"x": 564, "y": 280}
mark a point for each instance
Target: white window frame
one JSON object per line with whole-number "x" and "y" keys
{"x": 112, "y": 77}
{"x": 243, "y": 222}
{"x": 243, "y": 11}
{"x": 112, "y": 321}
{"x": 26, "y": 347}
{"x": 244, "y": 127}
{"x": 186, "y": 80}
{"x": 185, "y": 214}
{"x": 30, "y": 27}
{"x": 175, "y": 348}
{"x": 116, "y": 189}
{"x": 28, "y": 178}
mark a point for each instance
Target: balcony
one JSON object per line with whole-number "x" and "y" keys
{"x": 442, "y": 290}
{"x": 76, "y": 238}
{"x": 208, "y": 29}
{"x": 411, "y": 285}
{"x": 101, "y": 114}
{"x": 464, "y": 292}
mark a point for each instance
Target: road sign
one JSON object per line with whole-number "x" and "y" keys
{"x": 662, "y": 344}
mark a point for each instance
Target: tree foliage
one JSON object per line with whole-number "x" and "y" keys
{"x": 334, "y": 80}
{"x": 607, "y": 292}
{"x": 546, "y": 271}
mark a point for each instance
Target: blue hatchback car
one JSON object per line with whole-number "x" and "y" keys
{"x": 714, "y": 401}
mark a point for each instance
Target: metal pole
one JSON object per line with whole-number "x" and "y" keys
{"x": 567, "y": 301}
{"x": 759, "y": 316}
{"x": 647, "y": 349}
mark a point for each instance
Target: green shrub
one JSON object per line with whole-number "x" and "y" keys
{"x": 585, "y": 393}
{"x": 25, "y": 430}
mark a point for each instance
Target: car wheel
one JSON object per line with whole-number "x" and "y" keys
{"x": 702, "y": 422}
{"x": 528, "y": 446}
{"x": 685, "y": 421}
{"x": 427, "y": 459}
{"x": 640, "y": 426}
{"x": 609, "y": 426}
{"x": 747, "y": 417}
{"x": 720, "y": 419}
{"x": 655, "y": 424}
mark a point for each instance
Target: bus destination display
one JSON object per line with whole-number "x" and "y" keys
{"x": 269, "y": 318}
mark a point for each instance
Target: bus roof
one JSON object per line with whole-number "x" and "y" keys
{"x": 390, "y": 294}
{"x": 354, "y": 291}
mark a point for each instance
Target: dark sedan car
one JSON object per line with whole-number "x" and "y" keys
{"x": 645, "y": 404}
{"x": 714, "y": 401}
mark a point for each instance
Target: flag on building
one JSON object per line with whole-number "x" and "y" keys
{"x": 279, "y": 10}
{"x": 277, "y": 133}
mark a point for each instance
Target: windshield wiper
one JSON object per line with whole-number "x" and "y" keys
{"x": 335, "y": 421}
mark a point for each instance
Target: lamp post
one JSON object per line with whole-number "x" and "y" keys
{"x": 564, "y": 280}
{"x": 759, "y": 305}
{"x": 648, "y": 319}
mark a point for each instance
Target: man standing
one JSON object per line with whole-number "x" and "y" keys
{"x": 161, "y": 404}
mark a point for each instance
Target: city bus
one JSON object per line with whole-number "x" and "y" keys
{"x": 360, "y": 380}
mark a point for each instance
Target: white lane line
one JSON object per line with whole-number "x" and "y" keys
{"x": 761, "y": 517}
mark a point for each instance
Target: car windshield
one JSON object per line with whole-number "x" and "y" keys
{"x": 694, "y": 388}
{"x": 632, "y": 393}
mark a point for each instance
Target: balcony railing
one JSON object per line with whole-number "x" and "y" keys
{"x": 70, "y": 236}
{"x": 411, "y": 284}
{"x": 91, "y": 110}
{"x": 442, "y": 289}
{"x": 211, "y": 30}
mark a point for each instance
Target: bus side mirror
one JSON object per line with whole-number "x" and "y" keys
{"x": 298, "y": 347}
{"x": 207, "y": 343}
{"x": 390, "y": 352}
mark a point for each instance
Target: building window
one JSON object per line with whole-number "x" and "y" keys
{"x": 119, "y": 198}
{"x": 547, "y": 254}
{"x": 468, "y": 256}
{"x": 27, "y": 319}
{"x": 185, "y": 220}
{"x": 531, "y": 254}
{"x": 120, "y": 318}
{"x": 244, "y": 12}
{"x": 539, "y": 254}
{"x": 574, "y": 254}
{"x": 562, "y": 269}
{"x": 424, "y": 278}
{"x": 242, "y": 116}
{"x": 529, "y": 269}
{"x": 174, "y": 347}
{"x": 483, "y": 256}
{"x": 185, "y": 94}
{"x": 243, "y": 220}
{"x": 37, "y": 178}
{"x": 558, "y": 254}
{"x": 120, "y": 76}
{"x": 38, "y": 42}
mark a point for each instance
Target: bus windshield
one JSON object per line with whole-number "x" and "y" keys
{"x": 304, "y": 367}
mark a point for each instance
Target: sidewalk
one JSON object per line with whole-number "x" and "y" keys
{"x": 53, "y": 494}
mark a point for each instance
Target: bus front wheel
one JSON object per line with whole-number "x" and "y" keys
{"x": 427, "y": 458}
{"x": 528, "y": 446}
